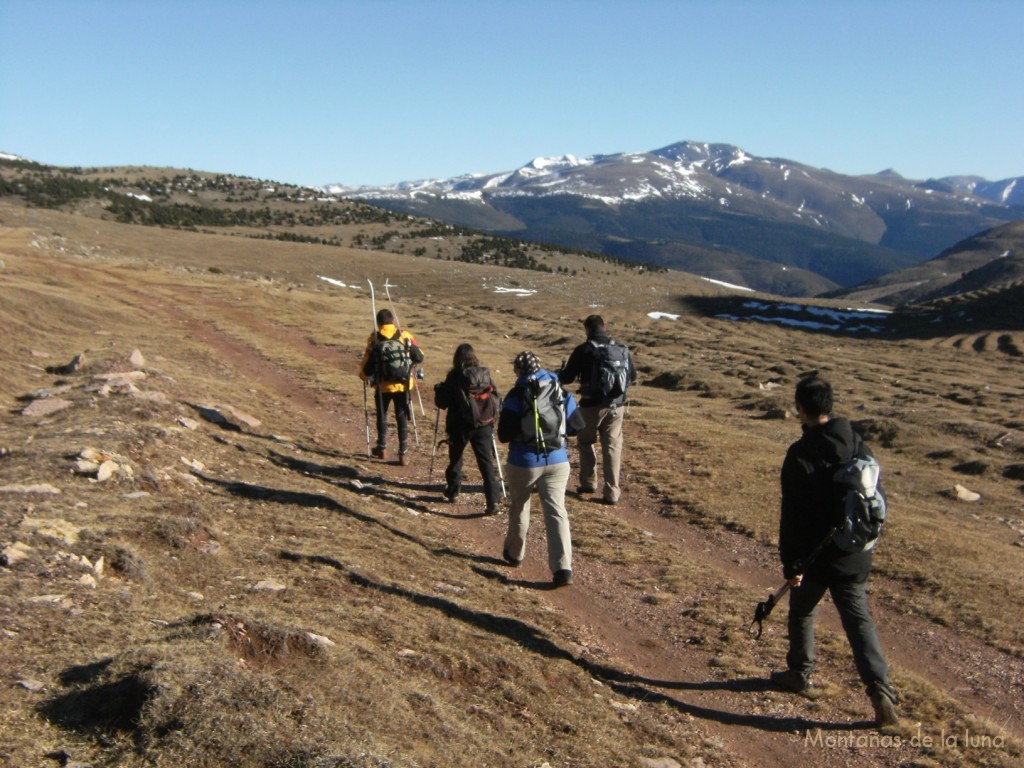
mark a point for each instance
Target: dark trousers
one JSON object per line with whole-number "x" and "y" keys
{"x": 849, "y": 593}
{"x": 482, "y": 441}
{"x": 401, "y": 401}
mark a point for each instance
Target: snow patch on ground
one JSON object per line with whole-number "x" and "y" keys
{"x": 515, "y": 291}
{"x": 662, "y": 316}
{"x": 727, "y": 285}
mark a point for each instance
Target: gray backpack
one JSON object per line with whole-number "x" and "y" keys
{"x": 861, "y": 509}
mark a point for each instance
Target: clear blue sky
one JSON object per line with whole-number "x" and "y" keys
{"x": 375, "y": 92}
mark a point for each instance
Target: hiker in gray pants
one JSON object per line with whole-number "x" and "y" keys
{"x": 808, "y": 501}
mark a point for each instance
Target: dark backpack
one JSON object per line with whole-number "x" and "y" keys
{"x": 609, "y": 375}
{"x": 478, "y": 402}
{"x": 393, "y": 361}
{"x": 861, "y": 509}
{"x": 542, "y": 424}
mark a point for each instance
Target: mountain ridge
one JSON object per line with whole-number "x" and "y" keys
{"x": 643, "y": 205}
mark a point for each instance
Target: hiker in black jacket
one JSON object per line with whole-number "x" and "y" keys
{"x": 809, "y": 501}
{"x": 453, "y": 394}
{"x": 603, "y": 416}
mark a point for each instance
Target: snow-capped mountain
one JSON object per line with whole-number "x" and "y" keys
{"x": 672, "y": 205}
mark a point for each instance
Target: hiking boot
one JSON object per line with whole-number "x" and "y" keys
{"x": 885, "y": 710}
{"x": 492, "y": 509}
{"x": 404, "y": 458}
{"x": 585, "y": 489}
{"x": 562, "y": 578}
{"x": 792, "y": 681}
{"x": 509, "y": 559}
{"x": 379, "y": 452}
{"x": 451, "y": 494}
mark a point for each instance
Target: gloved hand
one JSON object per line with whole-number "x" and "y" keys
{"x": 419, "y": 374}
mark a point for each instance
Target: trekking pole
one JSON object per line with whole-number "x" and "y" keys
{"x": 497, "y": 461}
{"x": 433, "y": 450}
{"x": 765, "y": 607}
{"x": 366, "y": 418}
{"x": 412, "y": 413}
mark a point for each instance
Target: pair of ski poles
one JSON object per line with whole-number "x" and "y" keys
{"x": 417, "y": 373}
{"x": 494, "y": 445}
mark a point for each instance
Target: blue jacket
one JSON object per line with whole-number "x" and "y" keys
{"x": 522, "y": 454}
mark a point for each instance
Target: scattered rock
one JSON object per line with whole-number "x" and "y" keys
{"x": 14, "y": 553}
{"x": 87, "y": 580}
{"x": 964, "y": 494}
{"x": 136, "y": 359}
{"x": 188, "y": 423}
{"x": 269, "y": 585}
{"x": 106, "y": 470}
{"x": 320, "y": 640}
{"x": 659, "y": 762}
{"x": 45, "y": 407}
{"x": 37, "y": 488}
{"x": 53, "y": 528}
{"x": 30, "y": 685}
{"x": 227, "y": 416}
{"x": 76, "y": 364}
{"x": 1014, "y": 472}
{"x": 195, "y": 464}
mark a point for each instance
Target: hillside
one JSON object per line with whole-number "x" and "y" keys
{"x": 712, "y": 208}
{"x": 202, "y": 566}
{"x": 989, "y": 260}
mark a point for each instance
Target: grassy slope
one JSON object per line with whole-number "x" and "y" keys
{"x": 434, "y": 653}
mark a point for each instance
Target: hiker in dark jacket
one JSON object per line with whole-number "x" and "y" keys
{"x": 603, "y": 418}
{"x": 809, "y": 503}
{"x": 388, "y": 392}
{"x": 452, "y": 394}
{"x": 535, "y": 467}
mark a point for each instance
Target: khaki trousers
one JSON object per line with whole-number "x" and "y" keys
{"x": 549, "y": 482}
{"x": 604, "y": 424}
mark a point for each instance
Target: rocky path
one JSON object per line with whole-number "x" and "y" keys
{"x": 636, "y": 644}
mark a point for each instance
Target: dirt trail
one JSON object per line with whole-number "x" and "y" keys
{"x": 638, "y": 640}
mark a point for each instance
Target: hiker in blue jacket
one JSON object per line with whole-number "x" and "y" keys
{"x": 808, "y": 496}
{"x": 536, "y": 416}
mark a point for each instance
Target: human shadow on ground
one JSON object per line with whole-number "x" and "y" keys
{"x": 533, "y": 640}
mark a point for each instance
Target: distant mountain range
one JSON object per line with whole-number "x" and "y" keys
{"x": 712, "y": 209}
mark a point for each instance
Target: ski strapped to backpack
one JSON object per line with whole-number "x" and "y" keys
{"x": 478, "y": 403}
{"x": 542, "y": 424}
{"x": 862, "y": 509}
{"x": 609, "y": 376}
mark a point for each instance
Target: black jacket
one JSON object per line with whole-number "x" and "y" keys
{"x": 581, "y": 365}
{"x": 449, "y": 395}
{"x": 809, "y": 500}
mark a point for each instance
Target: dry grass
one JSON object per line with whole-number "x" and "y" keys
{"x": 436, "y": 656}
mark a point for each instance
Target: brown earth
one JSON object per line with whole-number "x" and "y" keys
{"x": 666, "y": 582}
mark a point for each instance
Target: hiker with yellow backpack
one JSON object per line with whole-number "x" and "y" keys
{"x": 387, "y": 365}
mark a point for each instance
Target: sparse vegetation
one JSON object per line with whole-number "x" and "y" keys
{"x": 268, "y": 596}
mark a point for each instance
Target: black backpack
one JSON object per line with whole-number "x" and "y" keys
{"x": 609, "y": 375}
{"x": 861, "y": 509}
{"x": 478, "y": 402}
{"x": 393, "y": 361}
{"x": 542, "y": 424}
